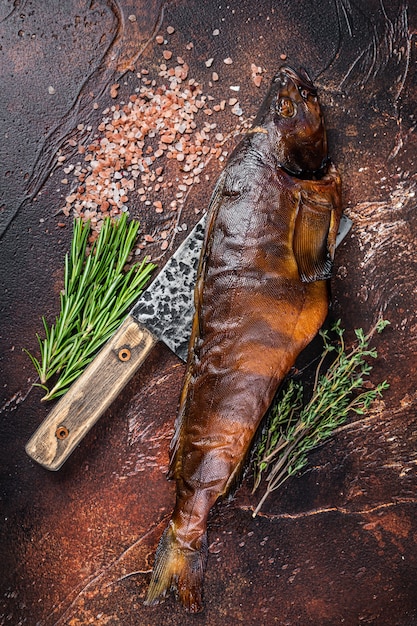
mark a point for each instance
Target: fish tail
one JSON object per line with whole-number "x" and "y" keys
{"x": 180, "y": 570}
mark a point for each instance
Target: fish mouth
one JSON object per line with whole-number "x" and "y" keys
{"x": 300, "y": 79}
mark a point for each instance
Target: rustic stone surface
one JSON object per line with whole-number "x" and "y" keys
{"x": 335, "y": 546}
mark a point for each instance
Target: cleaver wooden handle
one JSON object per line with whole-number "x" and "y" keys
{"x": 90, "y": 395}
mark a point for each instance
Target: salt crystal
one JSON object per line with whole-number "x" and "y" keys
{"x": 228, "y": 61}
{"x": 209, "y": 62}
{"x": 114, "y": 90}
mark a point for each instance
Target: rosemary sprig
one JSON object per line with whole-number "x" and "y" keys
{"x": 296, "y": 429}
{"x": 97, "y": 293}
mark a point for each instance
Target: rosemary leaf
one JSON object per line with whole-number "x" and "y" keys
{"x": 96, "y": 296}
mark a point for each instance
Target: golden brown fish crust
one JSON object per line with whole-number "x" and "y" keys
{"x": 261, "y": 296}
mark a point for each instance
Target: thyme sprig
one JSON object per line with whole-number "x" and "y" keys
{"x": 295, "y": 429}
{"x": 97, "y": 293}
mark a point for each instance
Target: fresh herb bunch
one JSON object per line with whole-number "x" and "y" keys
{"x": 97, "y": 293}
{"x": 295, "y": 429}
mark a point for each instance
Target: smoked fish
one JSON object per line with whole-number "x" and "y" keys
{"x": 260, "y": 298}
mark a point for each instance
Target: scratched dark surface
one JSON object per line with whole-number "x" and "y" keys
{"x": 335, "y": 546}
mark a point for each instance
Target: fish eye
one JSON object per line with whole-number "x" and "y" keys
{"x": 286, "y": 107}
{"x": 304, "y": 94}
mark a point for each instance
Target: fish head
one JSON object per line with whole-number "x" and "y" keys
{"x": 292, "y": 115}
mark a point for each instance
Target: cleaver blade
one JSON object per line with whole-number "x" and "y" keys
{"x": 163, "y": 312}
{"x": 166, "y": 307}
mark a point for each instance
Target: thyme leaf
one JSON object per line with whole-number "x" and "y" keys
{"x": 297, "y": 428}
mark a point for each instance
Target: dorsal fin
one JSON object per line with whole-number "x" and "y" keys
{"x": 213, "y": 208}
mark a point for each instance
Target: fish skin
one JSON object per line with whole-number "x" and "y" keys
{"x": 261, "y": 296}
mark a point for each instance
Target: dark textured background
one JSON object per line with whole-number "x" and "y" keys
{"x": 335, "y": 546}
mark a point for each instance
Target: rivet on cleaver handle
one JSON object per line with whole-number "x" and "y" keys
{"x": 87, "y": 399}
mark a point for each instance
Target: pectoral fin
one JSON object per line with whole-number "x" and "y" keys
{"x": 313, "y": 243}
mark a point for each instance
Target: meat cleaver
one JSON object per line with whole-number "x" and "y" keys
{"x": 163, "y": 312}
